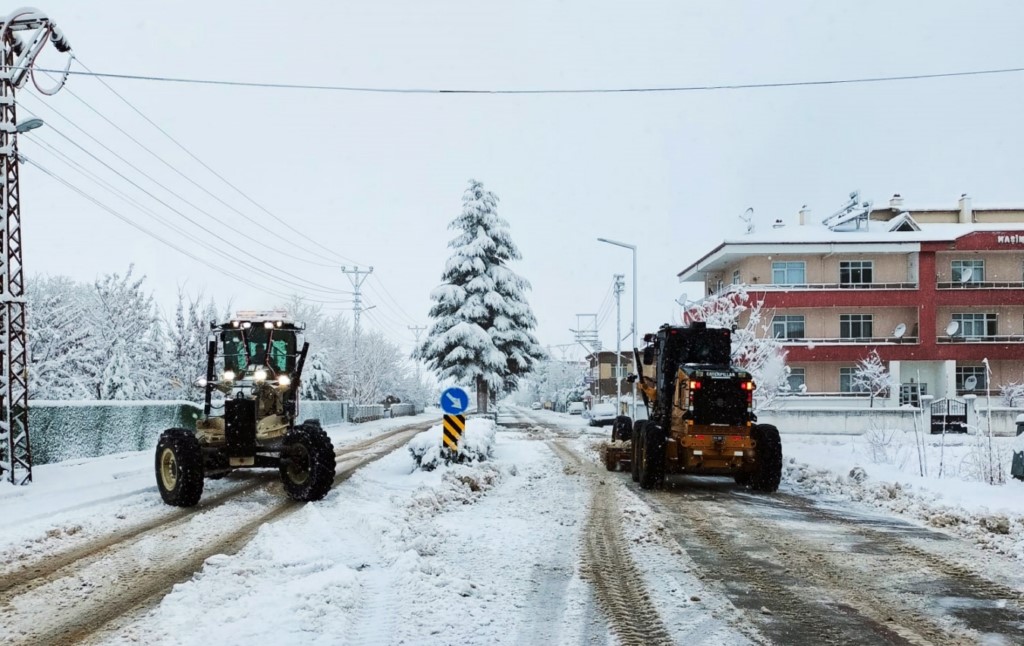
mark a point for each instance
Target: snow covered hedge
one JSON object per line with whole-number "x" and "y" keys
{"x": 477, "y": 444}
{"x": 67, "y": 430}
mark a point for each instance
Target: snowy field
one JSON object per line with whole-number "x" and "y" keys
{"x": 491, "y": 552}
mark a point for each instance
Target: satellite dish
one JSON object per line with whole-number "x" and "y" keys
{"x": 682, "y": 299}
{"x": 953, "y": 328}
{"x": 970, "y": 383}
{"x": 900, "y": 330}
{"x": 965, "y": 274}
{"x": 748, "y": 217}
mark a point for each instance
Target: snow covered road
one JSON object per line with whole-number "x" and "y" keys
{"x": 538, "y": 545}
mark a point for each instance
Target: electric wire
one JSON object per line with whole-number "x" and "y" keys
{"x": 310, "y": 285}
{"x": 153, "y": 235}
{"x": 189, "y": 179}
{"x": 527, "y": 91}
{"x": 170, "y": 191}
{"x": 188, "y": 152}
{"x": 80, "y": 168}
{"x": 390, "y": 302}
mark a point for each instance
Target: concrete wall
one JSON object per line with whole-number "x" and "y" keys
{"x": 857, "y": 421}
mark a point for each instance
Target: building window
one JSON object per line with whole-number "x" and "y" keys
{"x": 968, "y": 271}
{"x": 855, "y": 326}
{"x": 789, "y": 326}
{"x": 736, "y": 277}
{"x": 964, "y": 373}
{"x": 846, "y": 384}
{"x": 856, "y": 272}
{"x": 789, "y": 273}
{"x": 797, "y": 380}
{"x": 976, "y": 324}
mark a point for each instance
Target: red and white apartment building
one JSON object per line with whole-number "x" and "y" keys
{"x": 936, "y": 291}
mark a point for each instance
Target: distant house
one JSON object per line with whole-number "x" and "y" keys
{"x": 935, "y": 290}
{"x": 602, "y": 373}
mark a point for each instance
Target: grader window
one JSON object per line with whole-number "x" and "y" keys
{"x": 234, "y": 352}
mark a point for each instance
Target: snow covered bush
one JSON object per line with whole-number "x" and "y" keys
{"x": 477, "y": 445}
{"x": 1012, "y": 394}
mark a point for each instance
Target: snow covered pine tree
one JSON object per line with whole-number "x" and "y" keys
{"x": 481, "y": 330}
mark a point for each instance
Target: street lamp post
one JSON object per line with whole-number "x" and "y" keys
{"x": 631, "y": 247}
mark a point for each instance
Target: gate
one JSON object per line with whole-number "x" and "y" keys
{"x": 949, "y": 416}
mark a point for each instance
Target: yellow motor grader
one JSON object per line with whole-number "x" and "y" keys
{"x": 700, "y": 414}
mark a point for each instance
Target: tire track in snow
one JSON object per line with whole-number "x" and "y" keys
{"x": 54, "y": 561}
{"x": 607, "y": 564}
{"x": 67, "y": 604}
{"x": 829, "y": 578}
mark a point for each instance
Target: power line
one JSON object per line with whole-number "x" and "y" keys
{"x": 155, "y": 236}
{"x": 171, "y": 166}
{"x": 608, "y": 90}
{"x": 207, "y": 167}
{"x": 394, "y": 305}
{"x": 229, "y": 244}
{"x": 63, "y": 157}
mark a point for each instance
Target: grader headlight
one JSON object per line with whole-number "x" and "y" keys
{"x": 284, "y": 380}
{"x": 259, "y": 376}
{"x": 229, "y": 375}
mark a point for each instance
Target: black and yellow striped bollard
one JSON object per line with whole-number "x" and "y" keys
{"x": 451, "y": 435}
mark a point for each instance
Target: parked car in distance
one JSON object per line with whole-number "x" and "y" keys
{"x": 535, "y": 406}
{"x": 602, "y": 415}
{"x": 576, "y": 408}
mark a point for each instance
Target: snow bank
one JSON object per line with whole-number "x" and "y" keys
{"x": 375, "y": 562}
{"x": 477, "y": 444}
{"x": 1001, "y": 531}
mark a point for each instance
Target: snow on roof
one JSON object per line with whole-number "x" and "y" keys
{"x": 878, "y": 233}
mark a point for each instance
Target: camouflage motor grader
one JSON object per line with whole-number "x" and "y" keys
{"x": 256, "y": 381}
{"x": 701, "y": 416}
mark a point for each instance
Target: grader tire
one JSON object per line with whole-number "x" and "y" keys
{"x": 610, "y": 462}
{"x": 179, "y": 467}
{"x": 652, "y": 462}
{"x": 768, "y": 447}
{"x": 634, "y": 463}
{"x": 307, "y": 463}
{"x": 622, "y": 428}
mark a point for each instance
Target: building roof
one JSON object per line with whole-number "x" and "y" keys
{"x": 817, "y": 238}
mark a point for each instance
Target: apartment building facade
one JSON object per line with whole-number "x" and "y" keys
{"x": 938, "y": 292}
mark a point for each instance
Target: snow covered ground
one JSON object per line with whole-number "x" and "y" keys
{"x": 941, "y": 482}
{"x": 493, "y": 552}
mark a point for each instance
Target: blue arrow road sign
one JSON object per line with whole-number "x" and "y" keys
{"x": 454, "y": 401}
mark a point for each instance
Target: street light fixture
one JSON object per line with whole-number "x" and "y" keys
{"x": 631, "y": 247}
{"x": 28, "y": 124}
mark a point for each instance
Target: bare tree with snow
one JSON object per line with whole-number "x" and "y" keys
{"x": 754, "y": 349}
{"x": 481, "y": 333}
{"x": 872, "y": 377}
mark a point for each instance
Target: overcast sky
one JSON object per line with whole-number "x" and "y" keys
{"x": 377, "y": 177}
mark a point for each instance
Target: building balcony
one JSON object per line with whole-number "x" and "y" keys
{"x": 991, "y": 338}
{"x": 982, "y": 285}
{"x": 867, "y": 340}
{"x": 770, "y": 287}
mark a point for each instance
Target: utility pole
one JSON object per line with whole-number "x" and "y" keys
{"x": 416, "y": 331}
{"x": 619, "y": 286}
{"x": 18, "y": 58}
{"x": 589, "y": 337}
{"x": 356, "y": 276}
